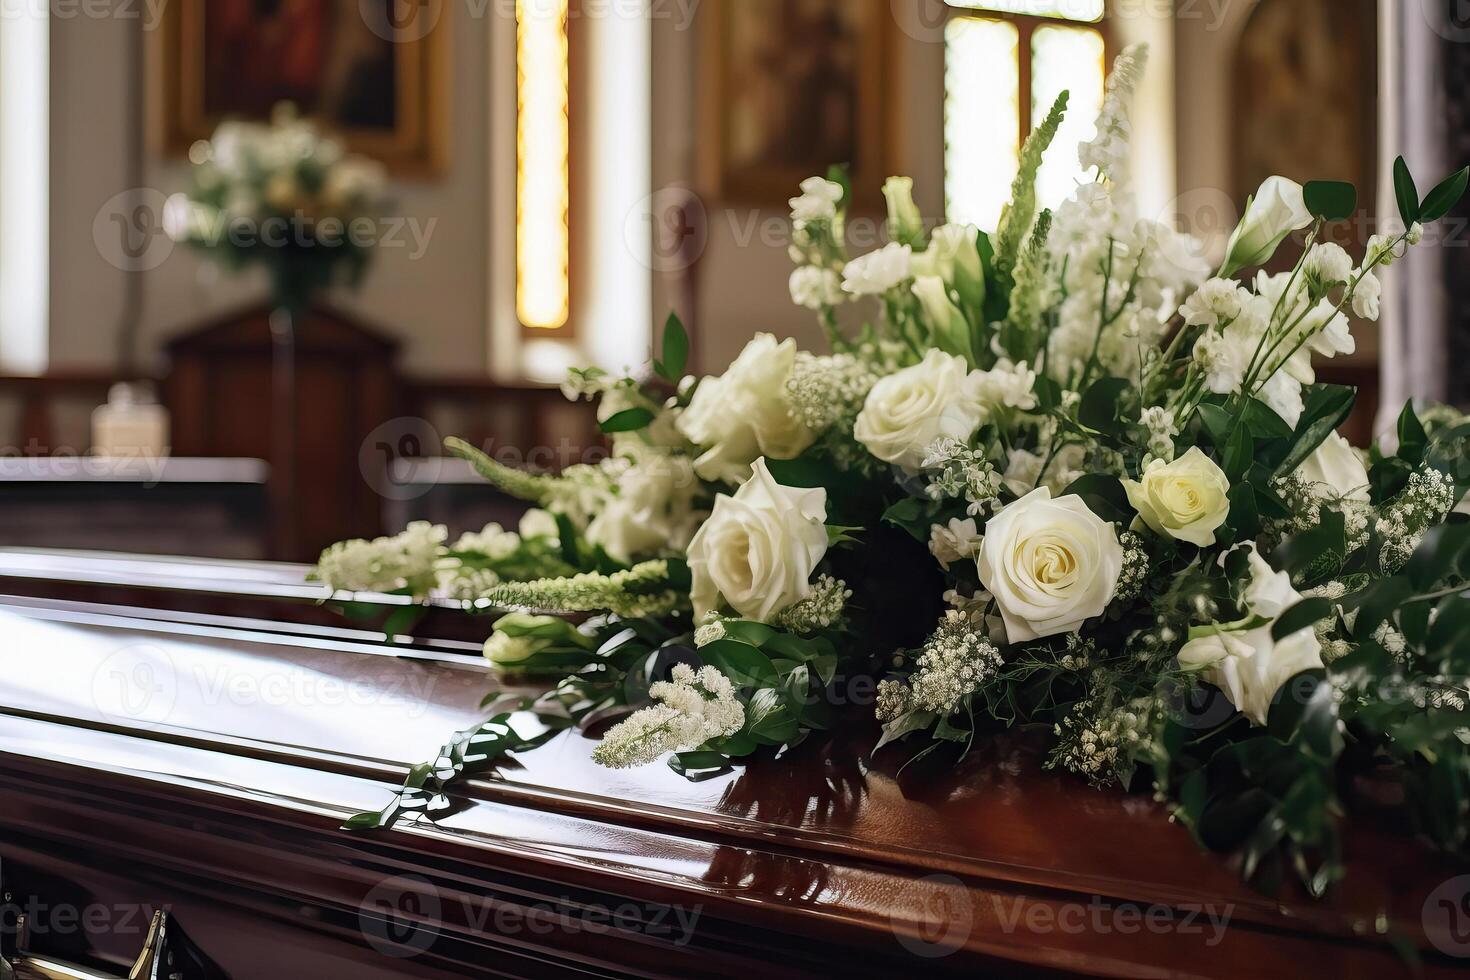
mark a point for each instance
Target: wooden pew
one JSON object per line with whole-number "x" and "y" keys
{"x": 150, "y": 762}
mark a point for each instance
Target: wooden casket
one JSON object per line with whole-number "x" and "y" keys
{"x": 172, "y": 784}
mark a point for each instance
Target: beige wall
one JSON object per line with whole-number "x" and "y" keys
{"x": 440, "y": 304}
{"x": 435, "y": 303}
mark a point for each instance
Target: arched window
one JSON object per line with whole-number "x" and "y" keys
{"x": 1005, "y": 63}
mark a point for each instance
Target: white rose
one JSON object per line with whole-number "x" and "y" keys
{"x": 744, "y": 414}
{"x": 1368, "y": 296}
{"x": 1187, "y": 499}
{"x": 1339, "y": 467}
{"x": 815, "y": 288}
{"x": 818, "y": 201}
{"x": 1276, "y": 210}
{"x": 907, "y": 412}
{"x": 757, "y": 551}
{"x": 1051, "y": 565}
{"x": 878, "y": 272}
{"x": 1247, "y": 664}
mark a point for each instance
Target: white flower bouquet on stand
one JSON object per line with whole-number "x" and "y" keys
{"x": 1067, "y": 478}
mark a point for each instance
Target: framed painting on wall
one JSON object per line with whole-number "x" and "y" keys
{"x": 791, "y": 87}
{"x": 378, "y": 82}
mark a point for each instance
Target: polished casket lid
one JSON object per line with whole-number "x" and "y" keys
{"x": 230, "y": 755}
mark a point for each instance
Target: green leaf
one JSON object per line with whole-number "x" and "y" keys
{"x": 675, "y": 350}
{"x": 1239, "y": 452}
{"x": 1304, "y": 713}
{"x": 1100, "y": 405}
{"x": 628, "y": 420}
{"x": 768, "y": 719}
{"x": 1048, "y": 393}
{"x": 1331, "y": 200}
{"x": 741, "y": 662}
{"x": 1217, "y": 423}
{"x": 1316, "y": 552}
{"x": 756, "y": 634}
{"x": 1413, "y": 440}
{"x": 1104, "y": 495}
{"x": 1263, "y": 421}
{"x": 1440, "y": 201}
{"x": 1327, "y": 407}
{"x": 699, "y": 765}
{"x": 1304, "y": 615}
{"x": 1406, "y": 193}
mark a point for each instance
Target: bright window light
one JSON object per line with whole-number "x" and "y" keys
{"x": 981, "y": 118}
{"x": 1069, "y": 58}
{"x": 543, "y": 185}
{"x": 24, "y": 188}
{"x": 1090, "y": 11}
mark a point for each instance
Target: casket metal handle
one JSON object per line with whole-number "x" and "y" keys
{"x": 156, "y": 962}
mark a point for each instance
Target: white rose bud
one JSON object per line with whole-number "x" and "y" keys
{"x": 1276, "y": 210}
{"x": 1051, "y": 565}
{"x": 907, "y": 412}
{"x": 520, "y": 636}
{"x": 1338, "y": 467}
{"x": 1186, "y": 500}
{"x": 1247, "y": 664}
{"x": 757, "y": 551}
{"x": 905, "y": 224}
{"x": 744, "y": 414}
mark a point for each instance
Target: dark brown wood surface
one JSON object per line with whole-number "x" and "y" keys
{"x": 274, "y": 596}
{"x": 208, "y": 768}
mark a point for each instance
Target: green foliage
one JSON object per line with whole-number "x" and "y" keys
{"x": 1016, "y": 221}
{"x": 1331, "y": 200}
{"x": 675, "y": 358}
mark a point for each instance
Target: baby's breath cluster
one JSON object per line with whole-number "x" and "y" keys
{"x": 1135, "y": 568}
{"x": 1100, "y": 742}
{"x": 1425, "y": 502}
{"x": 818, "y": 611}
{"x": 828, "y": 392}
{"x": 954, "y": 663}
{"x": 697, "y": 707}
{"x": 956, "y": 471}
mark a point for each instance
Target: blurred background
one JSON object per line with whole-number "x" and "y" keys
{"x": 536, "y": 184}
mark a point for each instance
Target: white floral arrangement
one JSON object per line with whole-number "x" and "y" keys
{"x": 1071, "y": 477}
{"x": 283, "y": 195}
